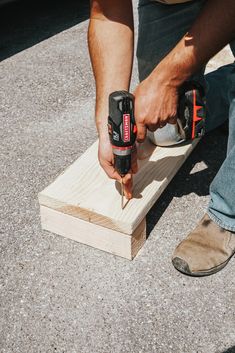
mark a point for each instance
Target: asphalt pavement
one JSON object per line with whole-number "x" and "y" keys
{"x": 61, "y": 296}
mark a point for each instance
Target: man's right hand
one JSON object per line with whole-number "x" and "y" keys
{"x": 106, "y": 159}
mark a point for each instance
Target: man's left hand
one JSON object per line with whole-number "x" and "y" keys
{"x": 156, "y": 100}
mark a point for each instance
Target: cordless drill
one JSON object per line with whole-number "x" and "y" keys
{"x": 122, "y": 127}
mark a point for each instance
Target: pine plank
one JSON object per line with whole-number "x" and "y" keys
{"x": 105, "y": 239}
{"x": 84, "y": 191}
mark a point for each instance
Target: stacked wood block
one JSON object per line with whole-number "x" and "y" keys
{"x": 83, "y": 204}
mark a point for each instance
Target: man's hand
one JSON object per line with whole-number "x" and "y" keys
{"x": 106, "y": 159}
{"x": 156, "y": 100}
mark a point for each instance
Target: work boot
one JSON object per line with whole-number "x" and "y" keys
{"x": 206, "y": 250}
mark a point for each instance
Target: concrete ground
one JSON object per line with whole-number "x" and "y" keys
{"x": 58, "y": 295}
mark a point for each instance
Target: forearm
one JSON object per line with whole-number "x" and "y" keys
{"x": 212, "y": 30}
{"x": 110, "y": 38}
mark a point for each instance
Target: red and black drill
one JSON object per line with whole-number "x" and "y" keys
{"x": 123, "y": 131}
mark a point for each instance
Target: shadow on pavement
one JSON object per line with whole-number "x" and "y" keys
{"x": 230, "y": 350}
{"x": 25, "y": 23}
{"x": 212, "y": 151}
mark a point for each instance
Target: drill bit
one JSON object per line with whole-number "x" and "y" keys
{"x": 122, "y": 193}
{"x": 124, "y": 201}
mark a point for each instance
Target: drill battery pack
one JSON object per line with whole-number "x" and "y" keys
{"x": 192, "y": 111}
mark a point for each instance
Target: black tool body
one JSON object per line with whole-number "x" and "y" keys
{"x": 122, "y": 129}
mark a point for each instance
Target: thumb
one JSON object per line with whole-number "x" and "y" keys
{"x": 141, "y": 132}
{"x": 128, "y": 184}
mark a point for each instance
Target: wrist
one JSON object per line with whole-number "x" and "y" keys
{"x": 102, "y": 129}
{"x": 176, "y": 67}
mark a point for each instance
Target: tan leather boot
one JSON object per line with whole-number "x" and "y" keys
{"x": 206, "y": 250}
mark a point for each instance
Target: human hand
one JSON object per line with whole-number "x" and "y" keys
{"x": 156, "y": 100}
{"x": 106, "y": 159}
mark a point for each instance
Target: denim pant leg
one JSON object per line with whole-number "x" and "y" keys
{"x": 217, "y": 96}
{"x": 160, "y": 28}
{"x": 222, "y": 190}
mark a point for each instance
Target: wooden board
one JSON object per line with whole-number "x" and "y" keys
{"x": 85, "y": 192}
{"x": 106, "y": 239}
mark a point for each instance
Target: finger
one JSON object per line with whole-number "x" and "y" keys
{"x": 128, "y": 182}
{"x": 141, "y": 132}
{"x": 110, "y": 171}
{"x": 126, "y": 178}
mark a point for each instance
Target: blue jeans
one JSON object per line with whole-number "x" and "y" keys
{"x": 160, "y": 28}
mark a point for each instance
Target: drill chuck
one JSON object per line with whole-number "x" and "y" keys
{"x": 122, "y": 160}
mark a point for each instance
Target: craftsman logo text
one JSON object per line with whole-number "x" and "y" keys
{"x": 126, "y": 127}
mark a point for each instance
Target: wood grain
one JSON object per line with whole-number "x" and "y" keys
{"x": 84, "y": 191}
{"x": 105, "y": 239}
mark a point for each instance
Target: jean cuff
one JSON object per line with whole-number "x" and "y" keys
{"x": 219, "y": 222}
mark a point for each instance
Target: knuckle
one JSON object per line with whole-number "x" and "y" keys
{"x": 152, "y": 127}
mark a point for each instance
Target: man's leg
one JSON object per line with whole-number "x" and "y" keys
{"x": 210, "y": 246}
{"x": 222, "y": 190}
